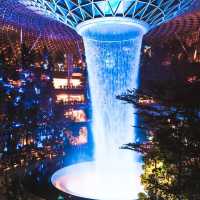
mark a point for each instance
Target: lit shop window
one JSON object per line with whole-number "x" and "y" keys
{"x": 61, "y": 83}
{"x": 77, "y": 140}
{"x": 70, "y": 98}
{"x": 74, "y": 83}
{"x": 25, "y": 141}
{"x": 76, "y": 115}
{"x": 76, "y": 74}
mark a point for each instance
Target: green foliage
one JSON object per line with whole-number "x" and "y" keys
{"x": 171, "y": 153}
{"x": 142, "y": 196}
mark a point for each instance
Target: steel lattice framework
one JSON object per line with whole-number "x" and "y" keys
{"x": 73, "y": 12}
{"x": 56, "y": 36}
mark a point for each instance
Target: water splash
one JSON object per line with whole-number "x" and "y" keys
{"x": 84, "y": 180}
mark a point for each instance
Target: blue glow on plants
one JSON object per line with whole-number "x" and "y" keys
{"x": 5, "y": 149}
{"x": 21, "y": 90}
{"x": 16, "y": 125}
{"x": 39, "y": 145}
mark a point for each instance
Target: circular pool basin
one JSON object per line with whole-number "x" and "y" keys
{"x": 99, "y": 182}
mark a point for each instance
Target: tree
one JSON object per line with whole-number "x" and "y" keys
{"x": 170, "y": 119}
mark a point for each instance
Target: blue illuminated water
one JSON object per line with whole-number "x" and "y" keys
{"x": 112, "y": 51}
{"x": 112, "y": 55}
{"x": 113, "y": 68}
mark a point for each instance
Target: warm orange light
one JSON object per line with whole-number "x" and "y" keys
{"x": 75, "y": 83}
{"x": 83, "y": 135}
{"x": 76, "y": 74}
{"x": 146, "y": 101}
{"x": 79, "y": 140}
{"x": 60, "y": 83}
{"x": 16, "y": 83}
{"x": 76, "y": 115}
{"x": 70, "y": 98}
{"x": 191, "y": 79}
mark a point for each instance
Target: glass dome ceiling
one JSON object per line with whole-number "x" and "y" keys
{"x": 56, "y": 36}
{"x": 73, "y": 12}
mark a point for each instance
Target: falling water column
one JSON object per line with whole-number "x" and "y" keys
{"x": 112, "y": 48}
